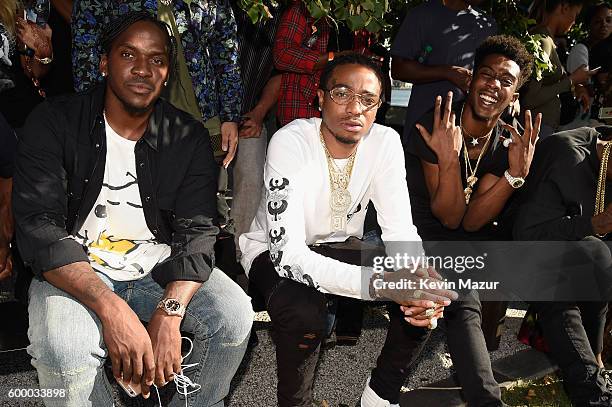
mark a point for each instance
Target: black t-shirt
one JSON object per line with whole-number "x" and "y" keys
{"x": 494, "y": 161}
{"x": 8, "y": 148}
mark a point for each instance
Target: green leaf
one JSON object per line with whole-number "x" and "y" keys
{"x": 253, "y": 14}
{"x": 373, "y": 26}
{"x": 368, "y": 5}
{"x": 355, "y": 23}
{"x": 341, "y": 13}
{"x": 315, "y": 11}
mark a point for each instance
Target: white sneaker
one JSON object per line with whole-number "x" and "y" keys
{"x": 369, "y": 398}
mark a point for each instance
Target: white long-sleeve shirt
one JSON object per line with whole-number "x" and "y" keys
{"x": 295, "y": 211}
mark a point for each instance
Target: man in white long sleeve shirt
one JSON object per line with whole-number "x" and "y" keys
{"x": 320, "y": 176}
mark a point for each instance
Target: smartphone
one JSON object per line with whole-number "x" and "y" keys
{"x": 132, "y": 389}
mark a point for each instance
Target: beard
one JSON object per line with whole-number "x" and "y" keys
{"x": 136, "y": 110}
{"x": 341, "y": 139}
{"x": 345, "y": 140}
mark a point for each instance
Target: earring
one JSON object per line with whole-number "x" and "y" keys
{"x": 165, "y": 83}
{"x": 104, "y": 74}
{"x": 320, "y": 110}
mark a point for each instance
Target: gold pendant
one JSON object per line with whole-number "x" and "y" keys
{"x": 468, "y": 193}
{"x": 340, "y": 200}
{"x": 472, "y": 180}
{"x": 338, "y": 222}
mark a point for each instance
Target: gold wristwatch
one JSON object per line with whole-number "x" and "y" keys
{"x": 172, "y": 307}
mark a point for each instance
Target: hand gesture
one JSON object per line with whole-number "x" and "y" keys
{"x": 229, "y": 141}
{"x": 446, "y": 138}
{"x": 460, "y": 77}
{"x": 165, "y": 334}
{"x": 129, "y": 348}
{"x": 582, "y": 75}
{"x": 414, "y": 288}
{"x": 521, "y": 149}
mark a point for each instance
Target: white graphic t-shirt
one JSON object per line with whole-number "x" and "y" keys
{"x": 115, "y": 232}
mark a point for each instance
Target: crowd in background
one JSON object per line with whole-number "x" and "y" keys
{"x": 244, "y": 81}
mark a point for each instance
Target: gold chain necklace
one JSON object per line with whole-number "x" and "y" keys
{"x": 340, "y": 199}
{"x": 600, "y": 195}
{"x": 470, "y": 176}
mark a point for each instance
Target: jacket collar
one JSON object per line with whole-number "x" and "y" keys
{"x": 154, "y": 127}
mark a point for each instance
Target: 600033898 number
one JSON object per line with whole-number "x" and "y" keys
{"x": 36, "y": 393}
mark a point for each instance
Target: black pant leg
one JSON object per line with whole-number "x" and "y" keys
{"x": 468, "y": 350}
{"x": 403, "y": 344}
{"x": 561, "y": 323}
{"x": 299, "y": 320}
{"x": 593, "y": 316}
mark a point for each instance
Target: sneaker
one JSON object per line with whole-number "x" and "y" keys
{"x": 369, "y": 398}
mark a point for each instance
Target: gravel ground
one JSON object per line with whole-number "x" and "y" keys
{"x": 342, "y": 371}
{"x": 341, "y": 374}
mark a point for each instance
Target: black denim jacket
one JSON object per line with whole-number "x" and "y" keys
{"x": 59, "y": 173}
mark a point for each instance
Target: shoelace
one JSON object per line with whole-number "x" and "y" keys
{"x": 183, "y": 384}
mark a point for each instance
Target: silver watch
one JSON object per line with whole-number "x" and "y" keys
{"x": 172, "y": 307}
{"x": 515, "y": 182}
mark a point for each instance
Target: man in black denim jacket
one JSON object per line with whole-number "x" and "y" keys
{"x": 107, "y": 252}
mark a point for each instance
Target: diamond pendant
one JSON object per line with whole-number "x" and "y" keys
{"x": 340, "y": 203}
{"x": 474, "y": 141}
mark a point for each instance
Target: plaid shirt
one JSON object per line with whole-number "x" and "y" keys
{"x": 296, "y": 58}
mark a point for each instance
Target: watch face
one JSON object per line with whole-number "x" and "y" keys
{"x": 172, "y": 305}
{"x": 518, "y": 183}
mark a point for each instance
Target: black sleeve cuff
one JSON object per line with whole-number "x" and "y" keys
{"x": 195, "y": 267}
{"x": 58, "y": 254}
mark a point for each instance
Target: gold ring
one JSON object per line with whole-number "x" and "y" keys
{"x": 430, "y": 312}
{"x": 418, "y": 294}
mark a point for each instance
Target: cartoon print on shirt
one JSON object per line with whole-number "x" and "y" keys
{"x": 118, "y": 248}
{"x": 105, "y": 249}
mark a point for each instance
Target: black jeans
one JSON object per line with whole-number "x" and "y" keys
{"x": 299, "y": 320}
{"x": 574, "y": 333}
{"x": 468, "y": 350}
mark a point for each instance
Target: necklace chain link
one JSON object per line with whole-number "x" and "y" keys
{"x": 339, "y": 179}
